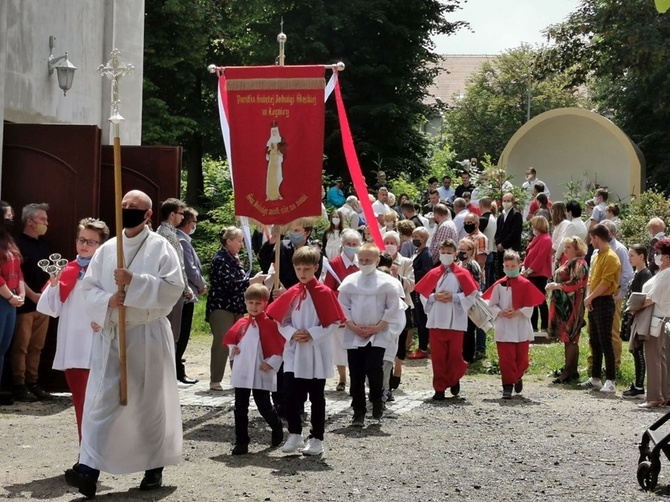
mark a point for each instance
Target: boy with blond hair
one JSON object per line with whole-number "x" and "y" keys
{"x": 256, "y": 347}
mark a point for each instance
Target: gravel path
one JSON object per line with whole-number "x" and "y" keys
{"x": 552, "y": 444}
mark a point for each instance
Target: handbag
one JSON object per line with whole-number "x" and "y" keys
{"x": 480, "y": 314}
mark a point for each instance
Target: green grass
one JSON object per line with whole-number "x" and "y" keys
{"x": 200, "y": 327}
{"x": 547, "y": 358}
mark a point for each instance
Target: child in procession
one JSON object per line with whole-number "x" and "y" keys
{"x": 256, "y": 347}
{"x": 308, "y": 314}
{"x": 511, "y": 301}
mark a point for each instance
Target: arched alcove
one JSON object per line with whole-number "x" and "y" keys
{"x": 572, "y": 144}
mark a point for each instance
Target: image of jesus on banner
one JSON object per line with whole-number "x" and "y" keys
{"x": 274, "y": 154}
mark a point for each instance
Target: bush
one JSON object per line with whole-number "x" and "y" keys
{"x": 651, "y": 203}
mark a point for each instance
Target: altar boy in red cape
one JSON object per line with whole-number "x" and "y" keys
{"x": 256, "y": 347}
{"x": 447, "y": 293}
{"x": 308, "y": 314}
{"x": 511, "y": 301}
{"x": 62, "y": 297}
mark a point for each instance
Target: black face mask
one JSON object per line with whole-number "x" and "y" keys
{"x": 416, "y": 242}
{"x": 469, "y": 227}
{"x": 462, "y": 256}
{"x": 132, "y": 218}
{"x": 9, "y": 224}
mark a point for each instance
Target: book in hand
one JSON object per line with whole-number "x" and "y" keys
{"x": 635, "y": 301}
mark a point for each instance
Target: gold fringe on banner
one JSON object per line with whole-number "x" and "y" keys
{"x": 274, "y": 84}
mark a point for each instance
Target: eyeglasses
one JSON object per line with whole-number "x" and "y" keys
{"x": 182, "y": 213}
{"x": 88, "y": 242}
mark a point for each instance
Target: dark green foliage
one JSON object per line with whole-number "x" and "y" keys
{"x": 621, "y": 49}
{"x": 494, "y": 105}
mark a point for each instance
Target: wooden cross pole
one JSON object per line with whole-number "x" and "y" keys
{"x": 115, "y": 70}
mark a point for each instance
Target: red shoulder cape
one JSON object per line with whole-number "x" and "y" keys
{"x": 68, "y": 280}
{"x": 524, "y": 293}
{"x": 426, "y": 286}
{"x": 272, "y": 341}
{"x": 327, "y": 307}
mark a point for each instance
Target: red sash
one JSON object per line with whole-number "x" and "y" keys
{"x": 68, "y": 280}
{"x": 426, "y": 286}
{"x": 524, "y": 292}
{"x": 327, "y": 307}
{"x": 272, "y": 341}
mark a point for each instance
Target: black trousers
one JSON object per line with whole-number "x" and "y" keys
{"x": 541, "y": 284}
{"x": 365, "y": 362}
{"x": 420, "y": 318}
{"x": 600, "y": 327}
{"x": 640, "y": 367}
{"x": 184, "y": 337}
{"x": 469, "y": 341}
{"x": 298, "y": 388}
{"x": 265, "y": 408}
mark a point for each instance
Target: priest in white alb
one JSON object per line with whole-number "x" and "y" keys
{"x": 146, "y": 434}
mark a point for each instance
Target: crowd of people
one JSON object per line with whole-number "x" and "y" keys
{"x": 454, "y": 265}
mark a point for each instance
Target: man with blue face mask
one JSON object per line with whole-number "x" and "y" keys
{"x": 298, "y": 235}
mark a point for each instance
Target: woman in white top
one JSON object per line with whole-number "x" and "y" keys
{"x": 332, "y": 241}
{"x": 657, "y": 290}
{"x": 560, "y": 222}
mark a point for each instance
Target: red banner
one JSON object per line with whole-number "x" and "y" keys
{"x": 276, "y": 116}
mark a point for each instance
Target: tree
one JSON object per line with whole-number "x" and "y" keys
{"x": 495, "y": 102}
{"x": 621, "y": 50}
{"x": 386, "y": 45}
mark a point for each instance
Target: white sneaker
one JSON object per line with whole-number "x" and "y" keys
{"x": 215, "y": 386}
{"x": 314, "y": 447}
{"x": 293, "y": 444}
{"x": 608, "y": 387}
{"x": 592, "y": 384}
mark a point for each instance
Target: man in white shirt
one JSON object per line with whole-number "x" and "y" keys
{"x": 576, "y": 228}
{"x": 528, "y": 185}
{"x": 461, "y": 211}
{"x": 600, "y": 199}
{"x": 380, "y": 207}
{"x": 146, "y": 434}
{"x": 445, "y": 192}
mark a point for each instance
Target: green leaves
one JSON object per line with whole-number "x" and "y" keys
{"x": 662, "y": 6}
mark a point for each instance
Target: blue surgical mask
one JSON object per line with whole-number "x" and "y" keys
{"x": 512, "y": 274}
{"x": 296, "y": 238}
{"x": 350, "y": 251}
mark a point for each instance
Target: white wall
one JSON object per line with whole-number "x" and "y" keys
{"x": 88, "y": 30}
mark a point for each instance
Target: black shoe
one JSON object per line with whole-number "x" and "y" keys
{"x": 358, "y": 421}
{"x": 22, "y": 394}
{"x": 478, "y": 356}
{"x": 152, "y": 481}
{"x": 518, "y": 386}
{"x": 38, "y": 392}
{"x": 277, "y": 436}
{"x": 188, "y": 380}
{"x": 389, "y": 397}
{"x": 240, "y": 449}
{"x": 438, "y": 396}
{"x": 6, "y": 399}
{"x": 377, "y": 409}
{"x": 455, "y": 389}
{"x": 507, "y": 391}
{"x": 86, "y": 484}
{"x": 395, "y": 382}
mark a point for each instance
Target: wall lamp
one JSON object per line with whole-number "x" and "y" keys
{"x": 63, "y": 67}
